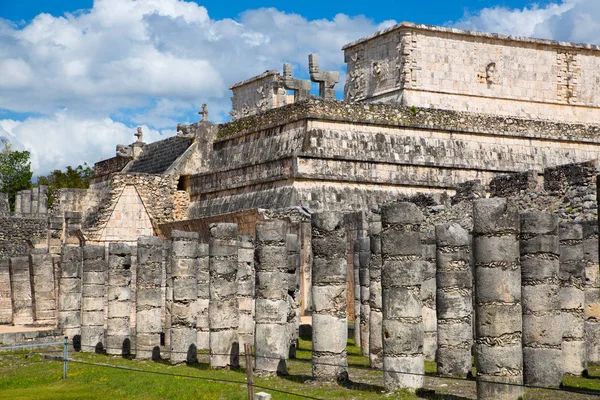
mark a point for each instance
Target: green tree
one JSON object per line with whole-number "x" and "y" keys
{"x": 15, "y": 171}
{"x": 77, "y": 178}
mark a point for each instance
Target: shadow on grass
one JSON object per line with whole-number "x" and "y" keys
{"x": 364, "y": 387}
{"x": 301, "y": 378}
{"x": 432, "y": 395}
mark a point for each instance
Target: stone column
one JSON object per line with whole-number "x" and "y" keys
{"x": 454, "y": 299}
{"x": 168, "y": 293}
{"x": 293, "y": 292}
{"x": 223, "y": 311}
{"x": 428, "y": 295}
{"x": 148, "y": 305}
{"x": 401, "y": 280}
{"x": 93, "y": 293}
{"x": 6, "y": 313}
{"x": 498, "y": 322}
{"x": 245, "y": 279}
{"x": 542, "y": 331}
{"x": 364, "y": 255}
{"x": 202, "y": 324}
{"x": 592, "y": 291}
{"x": 375, "y": 315}
{"x": 184, "y": 254}
{"x": 118, "y": 340}
{"x": 272, "y": 339}
{"x": 69, "y": 296}
{"x": 44, "y": 300}
{"x": 572, "y": 297}
{"x": 329, "y": 320}
{"x": 22, "y": 299}
{"x": 357, "y": 302}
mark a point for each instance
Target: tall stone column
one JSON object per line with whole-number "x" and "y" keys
{"x": 375, "y": 315}
{"x": 148, "y": 305}
{"x": 6, "y": 313}
{"x": 245, "y": 279}
{"x": 184, "y": 254}
{"x": 357, "y": 302}
{"x": 428, "y": 295}
{"x": 168, "y": 293}
{"x": 69, "y": 296}
{"x": 272, "y": 338}
{"x": 498, "y": 322}
{"x": 592, "y": 291}
{"x": 329, "y": 319}
{"x": 118, "y": 330}
{"x": 293, "y": 292}
{"x": 93, "y": 281}
{"x": 542, "y": 331}
{"x": 454, "y": 282}
{"x": 42, "y": 280}
{"x": 401, "y": 280}
{"x": 202, "y": 324}
{"x": 22, "y": 299}
{"x": 364, "y": 256}
{"x": 572, "y": 297}
{"x": 223, "y": 311}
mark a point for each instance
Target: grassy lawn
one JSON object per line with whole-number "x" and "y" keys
{"x": 29, "y": 376}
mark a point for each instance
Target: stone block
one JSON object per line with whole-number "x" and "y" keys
{"x": 497, "y": 319}
{"x": 402, "y": 302}
{"x": 494, "y": 215}
{"x": 493, "y": 360}
{"x": 402, "y": 338}
{"x": 494, "y": 249}
{"x": 330, "y": 334}
{"x": 403, "y": 373}
{"x": 329, "y": 299}
{"x": 327, "y": 271}
{"x": 405, "y": 273}
{"x": 395, "y": 243}
{"x": 497, "y": 285}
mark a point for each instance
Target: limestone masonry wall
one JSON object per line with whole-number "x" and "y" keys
{"x": 469, "y": 71}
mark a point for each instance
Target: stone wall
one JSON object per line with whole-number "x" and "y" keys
{"x": 340, "y": 156}
{"x": 451, "y": 69}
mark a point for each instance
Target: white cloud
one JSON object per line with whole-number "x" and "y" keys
{"x": 66, "y": 139}
{"x": 128, "y": 62}
{"x": 567, "y": 20}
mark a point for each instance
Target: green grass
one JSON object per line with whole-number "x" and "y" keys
{"x": 33, "y": 378}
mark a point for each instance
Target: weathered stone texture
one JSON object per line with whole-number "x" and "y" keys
{"x": 42, "y": 287}
{"x": 118, "y": 333}
{"x": 69, "y": 294}
{"x": 94, "y": 291}
{"x": 402, "y": 305}
{"x": 22, "y": 298}
{"x": 592, "y": 291}
{"x": 498, "y": 320}
{"x": 329, "y": 319}
{"x": 202, "y": 322}
{"x": 223, "y": 309}
{"x": 292, "y": 283}
{"x": 375, "y": 315}
{"x": 454, "y": 300}
{"x": 6, "y": 311}
{"x": 428, "y": 295}
{"x": 542, "y": 328}
{"x": 572, "y": 297}
{"x": 272, "y": 308}
{"x": 451, "y": 69}
{"x": 184, "y": 267}
{"x": 148, "y": 326}
{"x": 245, "y": 280}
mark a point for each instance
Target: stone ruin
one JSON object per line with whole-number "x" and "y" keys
{"x": 173, "y": 298}
{"x": 396, "y": 210}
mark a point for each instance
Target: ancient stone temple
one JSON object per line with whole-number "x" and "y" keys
{"x": 433, "y": 120}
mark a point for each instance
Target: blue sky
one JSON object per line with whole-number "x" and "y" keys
{"x": 435, "y": 12}
{"x": 77, "y": 77}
